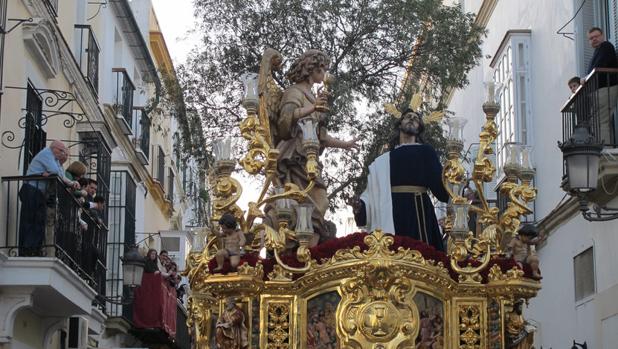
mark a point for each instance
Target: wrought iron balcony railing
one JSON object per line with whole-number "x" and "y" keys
{"x": 124, "y": 95}
{"x": 141, "y": 131}
{"x": 87, "y": 55}
{"x": 594, "y": 105}
{"x": 43, "y": 218}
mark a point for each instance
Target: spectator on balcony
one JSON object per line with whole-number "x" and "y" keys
{"x": 151, "y": 262}
{"x": 96, "y": 208}
{"x": 165, "y": 260}
{"x": 574, "y": 83}
{"x": 33, "y": 196}
{"x": 604, "y": 57}
{"x": 174, "y": 278}
{"x": 604, "y": 52}
{"x": 76, "y": 170}
{"x": 91, "y": 190}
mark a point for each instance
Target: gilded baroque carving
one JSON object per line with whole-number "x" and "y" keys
{"x": 377, "y": 307}
{"x": 278, "y": 326}
{"x": 469, "y": 327}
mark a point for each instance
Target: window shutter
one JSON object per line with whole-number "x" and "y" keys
{"x": 585, "y": 21}
{"x": 612, "y": 14}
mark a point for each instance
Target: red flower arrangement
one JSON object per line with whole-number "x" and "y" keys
{"x": 326, "y": 250}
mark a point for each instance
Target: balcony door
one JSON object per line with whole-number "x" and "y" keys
{"x": 35, "y": 136}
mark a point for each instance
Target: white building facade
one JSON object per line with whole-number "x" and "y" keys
{"x": 533, "y": 48}
{"x": 89, "y": 74}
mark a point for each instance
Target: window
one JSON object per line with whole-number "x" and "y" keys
{"x": 583, "y": 265}
{"x": 511, "y": 66}
{"x": 121, "y": 234}
{"x": 35, "y": 136}
{"x": 87, "y": 55}
{"x": 170, "y": 244}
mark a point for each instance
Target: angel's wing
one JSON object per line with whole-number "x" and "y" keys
{"x": 270, "y": 93}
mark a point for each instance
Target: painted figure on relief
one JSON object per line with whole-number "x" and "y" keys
{"x": 231, "y": 331}
{"x": 299, "y": 105}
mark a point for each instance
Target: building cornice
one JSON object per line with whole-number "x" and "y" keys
{"x": 485, "y": 11}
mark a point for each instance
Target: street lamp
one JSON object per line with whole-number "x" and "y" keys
{"x": 582, "y": 157}
{"x": 132, "y": 268}
{"x": 132, "y": 271}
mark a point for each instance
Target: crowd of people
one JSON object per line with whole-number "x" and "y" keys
{"x": 34, "y": 196}
{"x": 161, "y": 263}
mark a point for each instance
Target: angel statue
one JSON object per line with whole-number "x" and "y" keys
{"x": 298, "y": 102}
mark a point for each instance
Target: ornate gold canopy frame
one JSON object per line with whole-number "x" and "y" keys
{"x": 479, "y": 293}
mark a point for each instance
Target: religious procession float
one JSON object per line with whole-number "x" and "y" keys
{"x": 405, "y": 282}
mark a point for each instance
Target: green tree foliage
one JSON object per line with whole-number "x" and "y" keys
{"x": 371, "y": 44}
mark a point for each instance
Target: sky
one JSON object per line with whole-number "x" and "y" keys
{"x": 176, "y": 21}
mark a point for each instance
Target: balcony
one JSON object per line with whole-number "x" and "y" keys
{"x": 123, "y": 103}
{"x": 158, "y": 317}
{"x": 141, "y": 130}
{"x": 594, "y": 106}
{"x": 87, "y": 55}
{"x": 43, "y": 235}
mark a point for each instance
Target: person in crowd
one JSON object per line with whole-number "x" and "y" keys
{"x": 76, "y": 170}
{"x": 151, "y": 262}
{"x": 574, "y": 83}
{"x": 96, "y": 208}
{"x": 91, "y": 190}
{"x": 233, "y": 239}
{"x": 165, "y": 260}
{"x": 33, "y": 196}
{"x": 174, "y": 278}
{"x": 604, "y": 57}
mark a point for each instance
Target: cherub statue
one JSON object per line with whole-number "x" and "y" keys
{"x": 298, "y": 102}
{"x": 521, "y": 248}
{"x": 231, "y": 331}
{"x": 233, "y": 240}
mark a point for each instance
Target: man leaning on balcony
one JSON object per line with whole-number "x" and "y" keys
{"x": 604, "y": 57}
{"x": 33, "y": 197}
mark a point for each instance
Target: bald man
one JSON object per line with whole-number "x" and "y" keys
{"x": 33, "y": 196}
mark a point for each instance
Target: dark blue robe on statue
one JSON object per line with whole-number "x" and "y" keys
{"x": 397, "y": 202}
